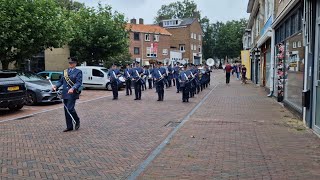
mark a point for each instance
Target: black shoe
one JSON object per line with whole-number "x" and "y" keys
{"x": 115, "y": 99}
{"x": 77, "y": 126}
{"x": 67, "y": 130}
{"x": 127, "y": 94}
{"x": 158, "y": 100}
{"x": 177, "y": 91}
{"x": 184, "y": 101}
{"x": 136, "y": 99}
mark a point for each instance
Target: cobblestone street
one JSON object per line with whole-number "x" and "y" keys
{"x": 228, "y": 132}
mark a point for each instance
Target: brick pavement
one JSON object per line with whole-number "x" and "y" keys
{"x": 114, "y": 138}
{"x": 239, "y": 133}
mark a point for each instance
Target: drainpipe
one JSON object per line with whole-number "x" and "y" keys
{"x": 273, "y": 59}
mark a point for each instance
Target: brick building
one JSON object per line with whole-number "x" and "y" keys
{"x": 186, "y": 37}
{"x": 148, "y": 42}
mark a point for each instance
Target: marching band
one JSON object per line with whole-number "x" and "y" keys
{"x": 189, "y": 79}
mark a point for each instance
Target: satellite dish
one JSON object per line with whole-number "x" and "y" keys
{"x": 210, "y": 62}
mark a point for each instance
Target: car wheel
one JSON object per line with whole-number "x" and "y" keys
{"x": 31, "y": 98}
{"x": 15, "y": 107}
{"x": 108, "y": 86}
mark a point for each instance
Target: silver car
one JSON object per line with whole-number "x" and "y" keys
{"x": 39, "y": 89}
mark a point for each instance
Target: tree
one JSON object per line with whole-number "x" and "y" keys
{"x": 29, "y": 27}
{"x": 70, "y": 5}
{"x": 229, "y": 38}
{"x": 185, "y": 9}
{"x": 98, "y": 35}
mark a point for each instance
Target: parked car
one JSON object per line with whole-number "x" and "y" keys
{"x": 12, "y": 91}
{"x": 54, "y": 76}
{"x": 97, "y": 77}
{"x": 39, "y": 89}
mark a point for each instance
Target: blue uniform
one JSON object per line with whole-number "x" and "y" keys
{"x": 170, "y": 75}
{"x": 158, "y": 75}
{"x": 184, "y": 85}
{"x": 128, "y": 76}
{"x": 148, "y": 73}
{"x": 69, "y": 100}
{"x": 114, "y": 80}
{"x": 176, "y": 72}
{"x": 138, "y": 81}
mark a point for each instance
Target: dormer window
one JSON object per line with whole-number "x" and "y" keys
{"x": 171, "y": 23}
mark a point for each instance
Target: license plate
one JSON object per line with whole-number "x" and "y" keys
{"x": 13, "y": 88}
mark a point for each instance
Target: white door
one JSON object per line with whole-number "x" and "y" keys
{"x": 97, "y": 79}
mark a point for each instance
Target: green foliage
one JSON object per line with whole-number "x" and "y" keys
{"x": 184, "y": 9}
{"x": 98, "y": 35}
{"x": 29, "y": 27}
{"x": 70, "y": 5}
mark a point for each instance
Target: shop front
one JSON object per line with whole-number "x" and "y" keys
{"x": 290, "y": 60}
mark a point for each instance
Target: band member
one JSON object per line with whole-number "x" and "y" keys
{"x": 176, "y": 73}
{"x": 166, "y": 82}
{"x": 128, "y": 78}
{"x": 138, "y": 81}
{"x": 71, "y": 81}
{"x": 144, "y": 77}
{"x": 158, "y": 75}
{"x": 149, "y": 76}
{"x": 184, "y": 84}
{"x": 198, "y": 89}
{"x": 114, "y": 74}
{"x": 170, "y": 75}
{"x": 190, "y": 75}
{"x": 208, "y": 73}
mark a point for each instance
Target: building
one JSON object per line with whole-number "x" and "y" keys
{"x": 311, "y": 88}
{"x": 54, "y": 59}
{"x": 148, "y": 42}
{"x": 186, "y": 37}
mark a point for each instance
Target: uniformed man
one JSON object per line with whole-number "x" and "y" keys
{"x": 71, "y": 81}
{"x": 149, "y": 77}
{"x": 176, "y": 73}
{"x": 114, "y": 74}
{"x": 183, "y": 80}
{"x": 191, "y": 77}
{"x": 128, "y": 78}
{"x": 145, "y": 78}
{"x": 158, "y": 75}
{"x": 170, "y": 75}
{"x": 138, "y": 81}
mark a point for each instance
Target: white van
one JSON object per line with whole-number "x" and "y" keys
{"x": 97, "y": 77}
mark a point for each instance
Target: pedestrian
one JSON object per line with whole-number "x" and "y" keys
{"x": 243, "y": 74}
{"x": 137, "y": 75}
{"x": 176, "y": 73}
{"x": 184, "y": 84}
{"x": 114, "y": 74}
{"x": 128, "y": 78}
{"x": 158, "y": 74}
{"x": 71, "y": 82}
{"x": 228, "y": 70}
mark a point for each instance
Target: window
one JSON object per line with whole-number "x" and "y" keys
{"x": 136, "y": 50}
{"x": 194, "y": 47}
{"x": 194, "y": 36}
{"x": 191, "y": 47}
{"x": 199, "y": 37}
{"x": 136, "y": 36}
{"x": 294, "y": 45}
{"x": 199, "y": 49}
{"x": 97, "y": 73}
{"x": 55, "y": 76}
{"x": 182, "y": 47}
{"x": 156, "y": 38}
{"x": 191, "y": 35}
{"x": 257, "y": 27}
{"x": 299, "y": 44}
{"x": 44, "y": 75}
{"x": 150, "y": 53}
{"x": 147, "y": 37}
{"x": 165, "y": 52}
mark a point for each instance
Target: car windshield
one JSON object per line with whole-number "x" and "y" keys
{"x": 27, "y": 76}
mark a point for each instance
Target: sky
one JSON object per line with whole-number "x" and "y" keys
{"x": 215, "y": 10}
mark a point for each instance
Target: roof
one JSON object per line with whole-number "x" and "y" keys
{"x": 155, "y": 29}
{"x": 187, "y": 21}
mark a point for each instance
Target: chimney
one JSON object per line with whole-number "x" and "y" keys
{"x": 140, "y": 21}
{"x": 133, "y": 21}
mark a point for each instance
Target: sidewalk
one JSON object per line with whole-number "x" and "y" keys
{"x": 239, "y": 133}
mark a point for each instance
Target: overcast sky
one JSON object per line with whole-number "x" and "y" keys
{"x": 215, "y": 10}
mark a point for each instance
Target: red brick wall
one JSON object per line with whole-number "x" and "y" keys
{"x": 164, "y": 43}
